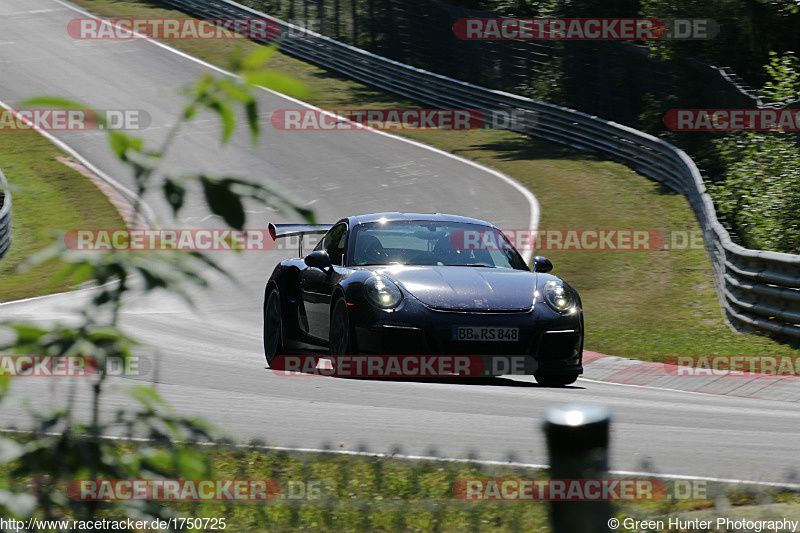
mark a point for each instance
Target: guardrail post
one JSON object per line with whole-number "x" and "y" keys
{"x": 577, "y": 443}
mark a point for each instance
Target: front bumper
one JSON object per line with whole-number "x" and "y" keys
{"x": 548, "y": 343}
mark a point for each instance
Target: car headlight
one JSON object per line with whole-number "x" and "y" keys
{"x": 382, "y": 292}
{"x": 558, "y": 297}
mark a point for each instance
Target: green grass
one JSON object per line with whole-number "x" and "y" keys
{"x": 358, "y": 493}
{"x": 370, "y": 494}
{"x": 47, "y": 196}
{"x": 644, "y": 305}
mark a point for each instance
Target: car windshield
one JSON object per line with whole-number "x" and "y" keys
{"x": 425, "y": 242}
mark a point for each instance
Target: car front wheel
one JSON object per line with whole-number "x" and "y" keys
{"x": 273, "y": 326}
{"x": 340, "y": 336}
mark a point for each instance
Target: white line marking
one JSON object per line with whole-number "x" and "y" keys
{"x": 33, "y": 298}
{"x": 715, "y": 394}
{"x": 792, "y": 486}
{"x": 34, "y": 12}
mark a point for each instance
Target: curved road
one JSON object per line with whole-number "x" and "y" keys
{"x": 209, "y": 359}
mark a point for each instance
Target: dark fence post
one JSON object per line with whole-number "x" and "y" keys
{"x": 577, "y": 443}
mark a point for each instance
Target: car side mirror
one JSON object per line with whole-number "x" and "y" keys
{"x": 542, "y": 264}
{"x": 319, "y": 259}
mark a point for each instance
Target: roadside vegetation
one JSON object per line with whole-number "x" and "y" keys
{"x": 355, "y": 493}
{"x": 754, "y": 176}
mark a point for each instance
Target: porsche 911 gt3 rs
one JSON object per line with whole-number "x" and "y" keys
{"x": 421, "y": 284}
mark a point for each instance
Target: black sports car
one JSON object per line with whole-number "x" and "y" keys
{"x": 417, "y": 284}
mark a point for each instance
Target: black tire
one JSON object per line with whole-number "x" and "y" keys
{"x": 555, "y": 380}
{"x": 340, "y": 336}
{"x": 273, "y": 326}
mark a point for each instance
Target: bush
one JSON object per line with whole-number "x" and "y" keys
{"x": 761, "y": 192}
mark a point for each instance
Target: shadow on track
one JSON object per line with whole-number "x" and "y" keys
{"x": 493, "y": 381}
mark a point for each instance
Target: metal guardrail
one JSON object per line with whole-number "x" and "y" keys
{"x": 5, "y": 216}
{"x": 758, "y": 290}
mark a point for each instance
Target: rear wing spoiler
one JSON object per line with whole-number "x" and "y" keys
{"x": 277, "y": 231}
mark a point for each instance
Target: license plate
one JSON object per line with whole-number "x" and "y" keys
{"x": 479, "y": 333}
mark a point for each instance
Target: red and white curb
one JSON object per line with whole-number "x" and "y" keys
{"x": 614, "y": 369}
{"x": 122, "y": 204}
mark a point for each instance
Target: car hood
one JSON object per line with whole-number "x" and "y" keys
{"x": 473, "y": 288}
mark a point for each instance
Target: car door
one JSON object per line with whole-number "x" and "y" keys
{"x": 316, "y": 286}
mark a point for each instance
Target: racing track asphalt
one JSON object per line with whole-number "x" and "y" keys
{"x": 210, "y": 361}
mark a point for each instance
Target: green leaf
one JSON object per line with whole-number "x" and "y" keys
{"x": 278, "y": 82}
{"x": 175, "y": 193}
{"x": 20, "y": 505}
{"x": 159, "y": 460}
{"x": 237, "y": 57}
{"x": 122, "y": 143}
{"x": 189, "y": 112}
{"x": 307, "y": 214}
{"x": 26, "y": 332}
{"x": 251, "y": 110}
{"x": 224, "y": 202}
{"x": 192, "y": 464}
{"x": 54, "y": 102}
{"x": 146, "y": 396}
{"x": 10, "y": 450}
{"x": 258, "y": 58}
{"x": 81, "y": 273}
{"x": 235, "y": 91}
{"x": 226, "y": 114}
